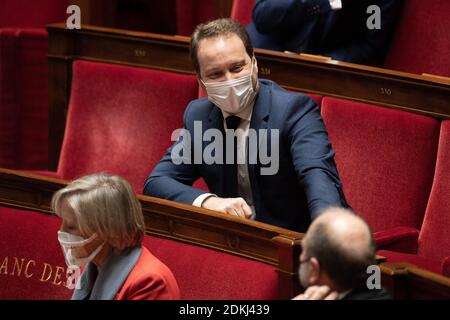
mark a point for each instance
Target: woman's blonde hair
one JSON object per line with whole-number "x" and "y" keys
{"x": 107, "y": 205}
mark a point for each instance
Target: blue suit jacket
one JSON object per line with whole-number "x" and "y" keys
{"x": 307, "y": 180}
{"x": 311, "y": 26}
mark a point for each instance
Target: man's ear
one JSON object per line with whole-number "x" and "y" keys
{"x": 314, "y": 275}
{"x": 200, "y": 82}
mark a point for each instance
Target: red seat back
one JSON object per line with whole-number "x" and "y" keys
{"x": 434, "y": 237}
{"x": 242, "y": 11}
{"x": 121, "y": 119}
{"x": 386, "y": 159}
{"x": 23, "y": 98}
{"x": 34, "y": 14}
{"x": 205, "y": 274}
{"x": 421, "y": 41}
{"x": 31, "y": 260}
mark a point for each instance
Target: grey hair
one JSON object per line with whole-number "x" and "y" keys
{"x": 107, "y": 205}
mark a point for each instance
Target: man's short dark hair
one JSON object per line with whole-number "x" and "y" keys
{"x": 216, "y": 28}
{"x": 345, "y": 269}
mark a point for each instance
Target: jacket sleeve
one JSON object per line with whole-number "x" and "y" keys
{"x": 313, "y": 156}
{"x": 371, "y": 49}
{"x": 173, "y": 176}
{"x": 286, "y": 15}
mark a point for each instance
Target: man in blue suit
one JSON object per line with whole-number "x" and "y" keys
{"x": 286, "y": 178}
{"x": 333, "y": 28}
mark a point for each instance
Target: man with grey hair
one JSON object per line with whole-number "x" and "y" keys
{"x": 337, "y": 250}
{"x": 288, "y": 127}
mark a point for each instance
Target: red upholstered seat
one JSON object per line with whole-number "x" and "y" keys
{"x": 207, "y": 274}
{"x": 120, "y": 119}
{"x": 199, "y": 11}
{"x": 242, "y": 11}
{"x": 386, "y": 159}
{"x": 421, "y": 41}
{"x": 23, "y": 98}
{"x": 434, "y": 237}
{"x": 34, "y": 14}
{"x": 32, "y": 265}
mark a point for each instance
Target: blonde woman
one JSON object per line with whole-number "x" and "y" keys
{"x": 102, "y": 229}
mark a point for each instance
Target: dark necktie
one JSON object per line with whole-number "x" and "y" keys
{"x": 230, "y": 177}
{"x": 232, "y": 122}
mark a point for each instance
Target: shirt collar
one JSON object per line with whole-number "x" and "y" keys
{"x": 245, "y": 114}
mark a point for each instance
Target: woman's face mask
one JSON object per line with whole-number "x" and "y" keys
{"x": 75, "y": 248}
{"x": 232, "y": 96}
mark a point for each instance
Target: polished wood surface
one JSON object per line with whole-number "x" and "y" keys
{"x": 426, "y": 94}
{"x": 407, "y": 281}
{"x": 245, "y": 238}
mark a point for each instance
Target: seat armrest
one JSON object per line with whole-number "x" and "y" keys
{"x": 400, "y": 239}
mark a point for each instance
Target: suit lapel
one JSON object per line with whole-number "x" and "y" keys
{"x": 259, "y": 123}
{"x": 215, "y": 121}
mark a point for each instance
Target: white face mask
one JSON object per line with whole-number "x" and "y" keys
{"x": 73, "y": 248}
{"x": 232, "y": 96}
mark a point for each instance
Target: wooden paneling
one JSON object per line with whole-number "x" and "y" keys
{"x": 420, "y": 94}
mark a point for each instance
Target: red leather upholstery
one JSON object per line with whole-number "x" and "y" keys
{"x": 421, "y": 41}
{"x": 386, "y": 160}
{"x": 120, "y": 119}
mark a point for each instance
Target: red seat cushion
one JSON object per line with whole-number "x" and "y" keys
{"x": 32, "y": 264}
{"x": 434, "y": 237}
{"x": 386, "y": 160}
{"x": 420, "y": 261}
{"x": 121, "y": 119}
{"x": 204, "y": 274}
{"x": 421, "y": 41}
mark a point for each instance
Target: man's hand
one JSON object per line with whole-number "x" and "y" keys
{"x": 234, "y": 206}
{"x": 317, "y": 293}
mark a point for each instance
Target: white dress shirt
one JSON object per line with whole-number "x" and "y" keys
{"x": 243, "y": 178}
{"x": 336, "y": 4}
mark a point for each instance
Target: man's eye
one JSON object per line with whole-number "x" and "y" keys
{"x": 237, "y": 69}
